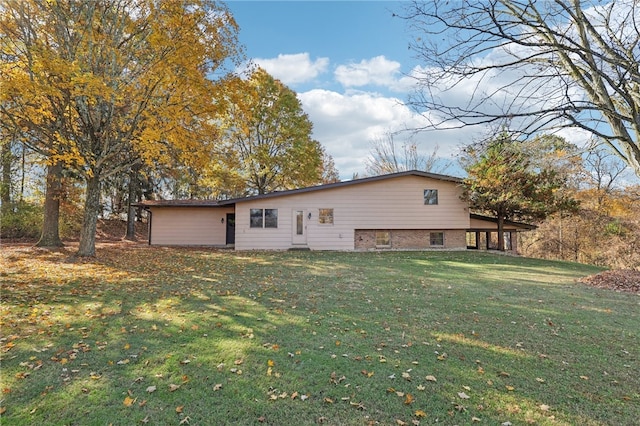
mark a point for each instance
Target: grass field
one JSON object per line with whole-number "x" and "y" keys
{"x": 158, "y": 336}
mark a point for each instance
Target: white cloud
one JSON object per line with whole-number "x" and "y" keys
{"x": 294, "y": 68}
{"x": 377, "y": 71}
{"x": 346, "y": 124}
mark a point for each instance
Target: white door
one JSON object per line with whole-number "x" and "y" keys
{"x": 299, "y": 227}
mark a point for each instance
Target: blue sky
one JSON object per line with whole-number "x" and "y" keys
{"x": 351, "y": 66}
{"x": 349, "y": 62}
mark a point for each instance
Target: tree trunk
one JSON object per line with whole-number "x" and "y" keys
{"x": 501, "y": 232}
{"x": 5, "y": 186}
{"x": 50, "y": 236}
{"x": 131, "y": 210}
{"x": 87, "y": 246}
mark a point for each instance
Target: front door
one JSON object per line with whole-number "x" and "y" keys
{"x": 299, "y": 227}
{"x": 231, "y": 228}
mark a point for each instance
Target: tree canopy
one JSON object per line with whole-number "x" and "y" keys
{"x": 504, "y": 179}
{"x": 269, "y": 137}
{"x": 537, "y": 65}
{"x": 101, "y": 86}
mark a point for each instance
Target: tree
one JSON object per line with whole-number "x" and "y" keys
{"x": 504, "y": 181}
{"x": 269, "y": 137}
{"x": 103, "y": 86}
{"x": 387, "y": 157}
{"x": 537, "y": 65}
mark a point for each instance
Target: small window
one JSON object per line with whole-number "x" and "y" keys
{"x": 430, "y": 197}
{"x": 255, "y": 218}
{"x": 383, "y": 239}
{"x": 263, "y": 218}
{"x": 436, "y": 239}
{"x": 325, "y": 216}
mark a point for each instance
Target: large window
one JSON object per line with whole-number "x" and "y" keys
{"x": 430, "y": 196}
{"x": 325, "y": 216}
{"x": 263, "y": 218}
{"x": 436, "y": 239}
{"x": 383, "y": 239}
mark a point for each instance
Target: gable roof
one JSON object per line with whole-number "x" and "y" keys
{"x": 220, "y": 203}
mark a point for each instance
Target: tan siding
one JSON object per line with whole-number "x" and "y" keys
{"x": 487, "y": 224}
{"x": 188, "y": 226}
{"x": 389, "y": 204}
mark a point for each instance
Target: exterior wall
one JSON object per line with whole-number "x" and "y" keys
{"x": 188, "y": 226}
{"x": 396, "y": 203}
{"x": 365, "y": 239}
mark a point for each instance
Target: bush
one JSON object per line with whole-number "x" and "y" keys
{"x": 21, "y": 220}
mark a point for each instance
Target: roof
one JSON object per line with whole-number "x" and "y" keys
{"x": 178, "y": 203}
{"x": 220, "y": 203}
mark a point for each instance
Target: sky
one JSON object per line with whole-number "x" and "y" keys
{"x": 349, "y": 63}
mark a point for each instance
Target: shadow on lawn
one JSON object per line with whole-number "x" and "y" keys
{"x": 239, "y": 334}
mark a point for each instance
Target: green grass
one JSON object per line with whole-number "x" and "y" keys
{"x": 309, "y": 337}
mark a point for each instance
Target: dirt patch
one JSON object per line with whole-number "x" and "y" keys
{"x": 627, "y": 280}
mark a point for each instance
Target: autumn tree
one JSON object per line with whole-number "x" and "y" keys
{"x": 537, "y": 65}
{"x": 104, "y": 85}
{"x": 387, "y": 155}
{"x": 269, "y": 137}
{"x": 505, "y": 181}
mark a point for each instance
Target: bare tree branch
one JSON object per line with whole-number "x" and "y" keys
{"x": 538, "y": 65}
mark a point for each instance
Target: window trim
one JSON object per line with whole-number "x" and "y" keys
{"x": 430, "y": 197}
{"x": 431, "y": 238}
{"x": 325, "y": 220}
{"x": 265, "y": 221}
{"x": 388, "y": 237}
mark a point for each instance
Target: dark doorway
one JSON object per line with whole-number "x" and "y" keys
{"x": 231, "y": 228}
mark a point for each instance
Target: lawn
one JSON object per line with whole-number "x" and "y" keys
{"x": 159, "y": 336}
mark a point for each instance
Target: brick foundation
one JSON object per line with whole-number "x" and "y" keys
{"x": 365, "y": 239}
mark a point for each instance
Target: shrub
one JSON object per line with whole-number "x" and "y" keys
{"x": 21, "y": 220}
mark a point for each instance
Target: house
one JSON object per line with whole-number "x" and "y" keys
{"x": 406, "y": 210}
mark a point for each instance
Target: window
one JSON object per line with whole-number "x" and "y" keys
{"x": 430, "y": 197}
{"x": 436, "y": 239}
{"x": 263, "y": 218}
{"x": 270, "y": 218}
{"x": 255, "y": 218}
{"x": 383, "y": 239}
{"x": 325, "y": 216}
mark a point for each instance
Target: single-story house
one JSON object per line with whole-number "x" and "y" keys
{"x": 406, "y": 210}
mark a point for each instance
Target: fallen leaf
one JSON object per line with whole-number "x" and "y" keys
{"x": 544, "y": 407}
{"x": 217, "y": 387}
{"x": 173, "y": 388}
{"x": 431, "y": 379}
{"x": 476, "y": 419}
{"x": 510, "y": 388}
{"x": 421, "y": 387}
{"x": 420, "y": 413}
{"x": 185, "y": 420}
{"x": 584, "y": 377}
{"x": 179, "y": 409}
{"x": 151, "y": 389}
{"x": 408, "y": 399}
{"x": 463, "y": 395}
{"x": 128, "y": 401}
